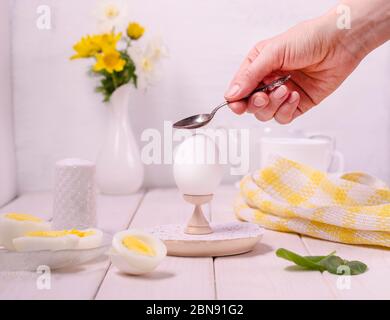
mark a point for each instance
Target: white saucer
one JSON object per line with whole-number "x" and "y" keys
{"x": 227, "y": 239}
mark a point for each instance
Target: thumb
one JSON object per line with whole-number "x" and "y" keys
{"x": 251, "y": 74}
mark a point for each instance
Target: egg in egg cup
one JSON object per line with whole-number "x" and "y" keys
{"x": 198, "y": 172}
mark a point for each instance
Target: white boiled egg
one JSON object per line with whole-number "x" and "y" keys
{"x": 14, "y": 225}
{"x": 197, "y": 169}
{"x": 136, "y": 252}
{"x": 46, "y": 240}
{"x": 88, "y": 238}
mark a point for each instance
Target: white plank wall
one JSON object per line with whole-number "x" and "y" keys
{"x": 80, "y": 282}
{"x": 175, "y": 278}
{"x": 7, "y": 143}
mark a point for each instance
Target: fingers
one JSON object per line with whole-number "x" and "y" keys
{"x": 238, "y": 107}
{"x": 286, "y": 112}
{"x": 276, "y": 98}
{"x": 280, "y": 104}
{"x": 257, "y": 101}
{"x": 297, "y": 104}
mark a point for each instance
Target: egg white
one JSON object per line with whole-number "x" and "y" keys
{"x": 132, "y": 262}
{"x": 197, "y": 169}
{"x": 11, "y": 229}
{"x": 91, "y": 241}
{"x": 28, "y": 243}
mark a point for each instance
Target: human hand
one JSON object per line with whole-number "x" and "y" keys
{"x": 315, "y": 55}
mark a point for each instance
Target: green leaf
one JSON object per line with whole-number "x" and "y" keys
{"x": 357, "y": 267}
{"x": 299, "y": 260}
{"x": 331, "y": 263}
{"x": 317, "y": 259}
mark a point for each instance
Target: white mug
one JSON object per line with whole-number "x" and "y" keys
{"x": 315, "y": 151}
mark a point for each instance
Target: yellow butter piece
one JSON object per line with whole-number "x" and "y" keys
{"x": 22, "y": 217}
{"x": 136, "y": 244}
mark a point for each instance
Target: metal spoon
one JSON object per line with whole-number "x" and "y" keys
{"x": 201, "y": 120}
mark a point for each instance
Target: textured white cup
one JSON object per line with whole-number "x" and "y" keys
{"x": 74, "y": 194}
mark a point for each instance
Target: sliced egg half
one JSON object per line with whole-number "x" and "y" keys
{"x": 136, "y": 252}
{"x": 46, "y": 240}
{"x": 59, "y": 240}
{"x": 14, "y": 225}
{"x": 88, "y": 238}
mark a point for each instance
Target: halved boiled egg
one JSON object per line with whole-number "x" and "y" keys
{"x": 59, "y": 240}
{"x": 14, "y": 225}
{"x": 136, "y": 252}
{"x": 46, "y": 240}
{"x": 88, "y": 238}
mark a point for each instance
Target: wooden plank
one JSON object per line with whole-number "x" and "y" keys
{"x": 36, "y": 203}
{"x": 175, "y": 278}
{"x": 80, "y": 282}
{"x": 374, "y": 284}
{"x": 260, "y": 274}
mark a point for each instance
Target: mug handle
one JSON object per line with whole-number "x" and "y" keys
{"x": 339, "y": 157}
{"x": 335, "y": 155}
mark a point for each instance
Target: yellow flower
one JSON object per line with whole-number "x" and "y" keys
{"x": 86, "y": 48}
{"x": 107, "y": 40}
{"x": 109, "y": 60}
{"x": 135, "y": 30}
{"x": 89, "y": 46}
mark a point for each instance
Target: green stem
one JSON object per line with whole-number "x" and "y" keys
{"x": 128, "y": 43}
{"x": 114, "y": 80}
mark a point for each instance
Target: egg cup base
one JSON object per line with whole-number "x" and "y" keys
{"x": 227, "y": 239}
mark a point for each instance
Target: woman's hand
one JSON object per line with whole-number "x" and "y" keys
{"x": 316, "y": 54}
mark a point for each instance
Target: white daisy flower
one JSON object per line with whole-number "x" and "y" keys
{"x": 156, "y": 49}
{"x": 111, "y": 14}
{"x": 147, "y": 62}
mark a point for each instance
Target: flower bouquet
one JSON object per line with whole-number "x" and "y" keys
{"x": 118, "y": 59}
{"x": 120, "y": 62}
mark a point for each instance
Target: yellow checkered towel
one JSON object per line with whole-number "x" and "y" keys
{"x": 292, "y": 197}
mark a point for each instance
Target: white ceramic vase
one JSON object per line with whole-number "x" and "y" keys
{"x": 119, "y": 169}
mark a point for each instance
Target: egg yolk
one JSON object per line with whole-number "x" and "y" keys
{"x": 61, "y": 233}
{"x": 22, "y": 217}
{"x": 47, "y": 234}
{"x": 136, "y": 244}
{"x": 80, "y": 233}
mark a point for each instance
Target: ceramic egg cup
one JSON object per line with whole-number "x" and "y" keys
{"x": 198, "y": 172}
{"x": 200, "y": 239}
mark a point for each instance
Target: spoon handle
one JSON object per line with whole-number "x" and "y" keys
{"x": 270, "y": 86}
{"x": 265, "y": 87}
{"x": 225, "y": 103}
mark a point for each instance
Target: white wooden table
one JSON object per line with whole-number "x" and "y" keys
{"x": 255, "y": 275}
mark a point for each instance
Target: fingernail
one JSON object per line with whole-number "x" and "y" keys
{"x": 280, "y": 92}
{"x": 293, "y": 97}
{"x": 232, "y": 91}
{"x": 259, "y": 102}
